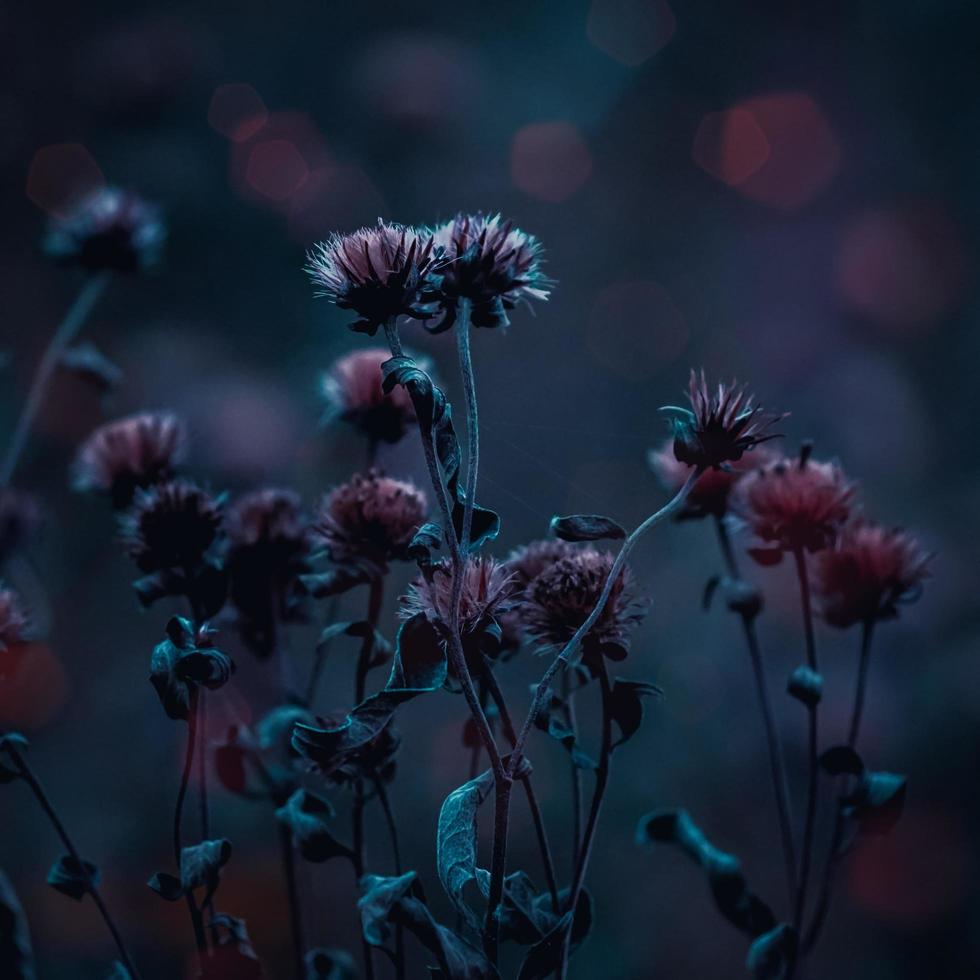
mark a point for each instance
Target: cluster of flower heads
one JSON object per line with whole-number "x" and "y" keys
{"x": 392, "y": 270}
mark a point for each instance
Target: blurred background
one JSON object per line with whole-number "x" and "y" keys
{"x": 781, "y": 191}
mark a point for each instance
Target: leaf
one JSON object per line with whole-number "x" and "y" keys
{"x": 878, "y": 798}
{"x": 9, "y": 771}
{"x": 182, "y": 662}
{"x": 233, "y": 955}
{"x": 841, "y": 760}
{"x": 119, "y": 972}
{"x": 330, "y": 964}
{"x": 428, "y": 538}
{"x": 16, "y": 954}
{"x": 626, "y": 706}
{"x": 544, "y": 958}
{"x": 200, "y": 865}
{"x": 71, "y": 879}
{"x": 771, "y": 955}
{"x": 806, "y": 685}
{"x": 550, "y": 720}
{"x": 456, "y": 843}
{"x": 710, "y": 588}
{"x": 587, "y": 527}
{"x": 90, "y": 364}
{"x": 728, "y": 885}
{"x": 307, "y": 816}
{"x": 381, "y": 648}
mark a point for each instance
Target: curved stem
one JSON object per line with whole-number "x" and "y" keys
{"x": 472, "y": 420}
{"x": 29, "y": 777}
{"x": 392, "y": 825}
{"x": 568, "y": 712}
{"x": 776, "y": 764}
{"x": 543, "y": 689}
{"x": 867, "y": 634}
{"x": 67, "y": 330}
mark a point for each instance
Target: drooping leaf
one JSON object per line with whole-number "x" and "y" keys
{"x": 771, "y": 955}
{"x": 67, "y": 877}
{"x": 428, "y": 538}
{"x": 308, "y": 817}
{"x": 880, "y": 801}
{"x": 551, "y": 719}
{"x": 9, "y": 771}
{"x": 587, "y": 527}
{"x": 330, "y": 964}
{"x": 16, "y": 954}
{"x": 89, "y": 363}
{"x": 456, "y": 843}
{"x": 544, "y": 957}
{"x": 233, "y": 957}
{"x": 200, "y": 865}
{"x": 806, "y": 685}
{"x": 731, "y": 893}
{"x": 626, "y": 706}
{"x": 181, "y": 662}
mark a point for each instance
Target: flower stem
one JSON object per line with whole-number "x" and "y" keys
{"x": 543, "y": 689}
{"x": 67, "y": 330}
{"x": 568, "y": 712}
{"x": 776, "y": 764}
{"x": 472, "y": 421}
{"x": 389, "y": 815}
{"x": 292, "y": 890}
{"x": 867, "y": 635}
{"x": 29, "y": 777}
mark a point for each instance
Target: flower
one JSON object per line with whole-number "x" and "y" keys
{"x": 353, "y": 390}
{"x": 13, "y": 619}
{"x": 490, "y": 263}
{"x": 133, "y": 452}
{"x": 369, "y": 520}
{"x": 795, "y": 504}
{"x": 171, "y": 525}
{"x": 108, "y": 230}
{"x": 868, "y": 573}
{"x": 487, "y": 588}
{"x": 19, "y": 518}
{"x": 720, "y": 426}
{"x": 560, "y": 599}
{"x": 379, "y": 273}
{"x": 710, "y": 494}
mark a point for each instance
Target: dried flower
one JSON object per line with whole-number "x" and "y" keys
{"x": 108, "y": 230}
{"x": 379, "y": 273}
{"x": 710, "y": 493}
{"x": 561, "y": 598}
{"x": 795, "y": 504}
{"x": 122, "y": 456}
{"x": 19, "y": 518}
{"x": 490, "y": 263}
{"x": 353, "y": 390}
{"x": 719, "y": 427}
{"x": 487, "y": 588}
{"x": 13, "y": 619}
{"x": 171, "y": 525}
{"x": 369, "y": 521}
{"x": 868, "y": 573}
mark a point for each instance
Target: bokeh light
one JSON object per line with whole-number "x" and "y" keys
{"x": 730, "y": 145}
{"x": 630, "y": 31}
{"x": 550, "y": 160}
{"x": 60, "y": 174}
{"x": 237, "y": 111}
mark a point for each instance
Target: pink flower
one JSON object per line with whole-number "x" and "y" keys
{"x": 369, "y": 520}
{"x": 129, "y": 453}
{"x": 868, "y": 573}
{"x": 13, "y": 619}
{"x": 490, "y": 263}
{"x": 795, "y": 504}
{"x": 380, "y": 273}
{"x": 353, "y": 390}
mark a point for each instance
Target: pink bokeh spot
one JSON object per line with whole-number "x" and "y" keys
{"x": 341, "y": 196}
{"x": 630, "y": 31}
{"x": 730, "y": 146}
{"x": 276, "y": 169}
{"x": 237, "y": 111}
{"x": 550, "y": 160}
{"x": 59, "y": 175}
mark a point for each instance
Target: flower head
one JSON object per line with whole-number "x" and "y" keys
{"x": 490, "y": 263}
{"x": 171, "y": 525}
{"x": 711, "y": 491}
{"x": 13, "y": 619}
{"x": 868, "y": 573}
{"x": 379, "y": 273}
{"x": 720, "y": 426}
{"x": 369, "y": 520}
{"x": 353, "y": 390}
{"x": 19, "y": 518}
{"x": 794, "y": 504}
{"x": 487, "y": 588}
{"x": 559, "y": 600}
{"x": 122, "y": 456}
{"x": 108, "y": 230}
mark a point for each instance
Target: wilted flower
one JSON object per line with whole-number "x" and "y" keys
{"x": 108, "y": 230}
{"x": 369, "y": 520}
{"x": 720, "y": 426}
{"x": 133, "y": 452}
{"x": 709, "y": 495}
{"x": 353, "y": 390}
{"x": 379, "y": 273}
{"x": 561, "y": 598}
{"x": 795, "y": 504}
{"x": 490, "y": 263}
{"x": 487, "y": 587}
{"x": 171, "y": 525}
{"x": 868, "y": 572}
{"x": 19, "y": 518}
{"x": 13, "y": 619}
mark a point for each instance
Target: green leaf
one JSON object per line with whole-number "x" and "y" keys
{"x": 16, "y": 954}
{"x": 586, "y": 527}
{"x": 308, "y": 816}
{"x": 71, "y": 879}
{"x": 771, "y": 955}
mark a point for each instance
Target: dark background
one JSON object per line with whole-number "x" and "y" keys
{"x": 783, "y": 191}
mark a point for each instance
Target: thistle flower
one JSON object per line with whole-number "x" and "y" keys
{"x": 711, "y": 491}
{"x": 794, "y": 504}
{"x": 19, "y": 518}
{"x": 487, "y": 589}
{"x": 108, "y": 230}
{"x": 352, "y": 388}
{"x": 379, "y": 273}
{"x": 490, "y": 263}
{"x": 561, "y": 598}
{"x": 369, "y": 521}
{"x": 130, "y": 453}
{"x": 868, "y": 573}
{"x": 720, "y": 426}
{"x": 13, "y": 619}
{"x": 171, "y": 525}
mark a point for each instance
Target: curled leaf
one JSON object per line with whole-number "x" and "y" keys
{"x": 626, "y": 706}
{"x": 200, "y": 865}
{"x": 308, "y": 816}
{"x": 806, "y": 685}
{"x": 183, "y": 661}
{"x": 587, "y": 527}
{"x": 772, "y": 954}
{"x": 71, "y": 879}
